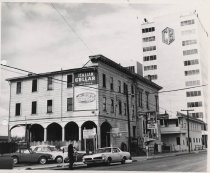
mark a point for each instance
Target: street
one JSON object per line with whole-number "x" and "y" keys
{"x": 182, "y": 163}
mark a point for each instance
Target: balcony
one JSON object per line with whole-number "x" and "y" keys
{"x": 171, "y": 130}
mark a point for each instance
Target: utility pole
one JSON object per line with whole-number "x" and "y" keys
{"x": 129, "y": 133}
{"x": 188, "y": 128}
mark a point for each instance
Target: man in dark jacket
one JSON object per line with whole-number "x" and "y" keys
{"x": 71, "y": 156}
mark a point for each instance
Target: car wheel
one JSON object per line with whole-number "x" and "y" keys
{"x": 42, "y": 160}
{"x": 123, "y": 160}
{"x": 15, "y": 160}
{"x": 108, "y": 162}
{"x": 59, "y": 159}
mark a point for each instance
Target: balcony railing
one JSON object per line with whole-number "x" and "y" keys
{"x": 171, "y": 130}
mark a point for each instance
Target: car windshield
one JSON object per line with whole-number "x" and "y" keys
{"x": 53, "y": 148}
{"x": 104, "y": 150}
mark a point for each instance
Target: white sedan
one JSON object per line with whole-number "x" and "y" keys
{"x": 107, "y": 155}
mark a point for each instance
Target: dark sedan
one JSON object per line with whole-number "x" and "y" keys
{"x": 27, "y": 155}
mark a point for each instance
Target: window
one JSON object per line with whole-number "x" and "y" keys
{"x": 33, "y": 107}
{"x": 34, "y": 85}
{"x": 194, "y": 140}
{"x": 149, "y": 58}
{"x": 120, "y": 107}
{"x": 193, "y": 93}
{"x": 144, "y": 30}
{"x": 112, "y": 105}
{"x": 49, "y": 106}
{"x": 192, "y": 83}
{"x": 104, "y": 103}
{"x": 178, "y": 140}
{"x": 119, "y": 86}
{"x": 192, "y": 72}
{"x": 156, "y": 103}
{"x": 190, "y": 52}
{"x": 69, "y": 80}
{"x": 18, "y": 89}
{"x": 49, "y": 83}
{"x": 17, "y": 109}
{"x": 132, "y": 90}
{"x": 104, "y": 80}
{"x": 111, "y": 83}
{"x": 151, "y": 77}
{"x": 150, "y": 48}
{"x": 148, "y": 39}
{"x": 191, "y": 62}
{"x": 147, "y": 99}
{"x": 140, "y": 98}
{"x": 187, "y": 32}
{"x": 187, "y": 22}
{"x": 197, "y": 114}
{"x": 133, "y": 110}
{"x": 69, "y": 104}
{"x": 124, "y": 88}
{"x": 194, "y": 104}
{"x": 150, "y": 67}
{"x": 188, "y": 42}
{"x": 125, "y": 109}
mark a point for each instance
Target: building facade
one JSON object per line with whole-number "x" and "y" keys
{"x": 174, "y": 133}
{"x": 175, "y": 57}
{"x": 100, "y": 105}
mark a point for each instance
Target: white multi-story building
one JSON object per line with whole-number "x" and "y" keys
{"x": 174, "y": 57}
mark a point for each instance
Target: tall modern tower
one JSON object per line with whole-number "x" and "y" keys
{"x": 174, "y": 56}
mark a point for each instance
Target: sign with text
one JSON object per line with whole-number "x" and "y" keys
{"x": 85, "y": 98}
{"x": 89, "y": 133}
{"x": 162, "y": 116}
{"x": 152, "y": 126}
{"x": 85, "y": 78}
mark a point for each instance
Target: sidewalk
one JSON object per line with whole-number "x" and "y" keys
{"x": 162, "y": 155}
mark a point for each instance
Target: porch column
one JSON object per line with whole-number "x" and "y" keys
{"x": 98, "y": 136}
{"x": 63, "y": 133}
{"x": 45, "y": 134}
{"x": 80, "y": 133}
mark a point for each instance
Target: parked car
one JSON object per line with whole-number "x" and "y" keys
{"x": 78, "y": 155}
{"x": 27, "y": 155}
{"x": 107, "y": 155}
{"x": 57, "y": 155}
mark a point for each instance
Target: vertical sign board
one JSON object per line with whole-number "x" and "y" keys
{"x": 85, "y": 91}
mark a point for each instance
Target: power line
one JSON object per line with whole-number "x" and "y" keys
{"x": 71, "y": 28}
{"x": 102, "y": 89}
{"x": 182, "y": 89}
{"x": 60, "y": 81}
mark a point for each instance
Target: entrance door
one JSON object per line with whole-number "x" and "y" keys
{"x": 90, "y": 145}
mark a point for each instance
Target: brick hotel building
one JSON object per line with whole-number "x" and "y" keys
{"x": 87, "y": 105}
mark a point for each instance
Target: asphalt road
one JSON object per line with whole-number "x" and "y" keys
{"x": 182, "y": 163}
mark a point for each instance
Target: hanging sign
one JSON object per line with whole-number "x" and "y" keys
{"x": 89, "y": 133}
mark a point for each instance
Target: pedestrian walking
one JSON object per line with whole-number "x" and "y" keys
{"x": 71, "y": 156}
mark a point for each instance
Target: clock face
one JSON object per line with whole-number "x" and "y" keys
{"x": 168, "y": 35}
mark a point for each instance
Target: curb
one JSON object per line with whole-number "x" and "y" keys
{"x": 171, "y": 155}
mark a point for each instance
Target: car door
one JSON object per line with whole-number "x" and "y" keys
{"x": 25, "y": 155}
{"x": 116, "y": 155}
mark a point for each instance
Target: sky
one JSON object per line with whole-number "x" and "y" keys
{"x": 43, "y": 37}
